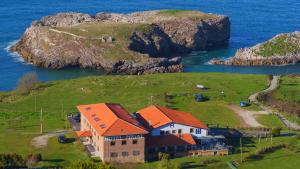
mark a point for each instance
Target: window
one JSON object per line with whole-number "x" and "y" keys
{"x": 179, "y": 131}
{"x": 167, "y": 132}
{"x": 125, "y": 153}
{"x": 134, "y": 141}
{"x": 113, "y": 154}
{"x": 136, "y": 153}
{"x": 172, "y": 125}
{"x": 112, "y": 143}
{"x": 198, "y": 131}
{"x": 173, "y": 131}
{"x": 191, "y": 130}
{"x": 162, "y": 132}
{"x": 124, "y": 142}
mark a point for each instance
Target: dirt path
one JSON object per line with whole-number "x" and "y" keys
{"x": 76, "y": 36}
{"x": 247, "y": 116}
{"x": 42, "y": 141}
{"x": 273, "y": 85}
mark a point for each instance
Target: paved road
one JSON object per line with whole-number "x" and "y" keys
{"x": 273, "y": 85}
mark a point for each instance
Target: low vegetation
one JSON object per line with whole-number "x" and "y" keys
{"x": 279, "y": 46}
{"x": 92, "y": 34}
{"x": 28, "y": 82}
{"x": 196, "y": 15}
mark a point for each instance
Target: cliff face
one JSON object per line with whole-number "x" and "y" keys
{"x": 137, "y": 43}
{"x": 281, "y": 50}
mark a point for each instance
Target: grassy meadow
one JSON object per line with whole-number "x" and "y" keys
{"x": 20, "y": 114}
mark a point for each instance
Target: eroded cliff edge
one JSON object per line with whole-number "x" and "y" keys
{"x": 136, "y": 43}
{"x": 282, "y": 49}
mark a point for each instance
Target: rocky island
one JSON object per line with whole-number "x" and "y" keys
{"x": 136, "y": 43}
{"x": 282, "y": 49}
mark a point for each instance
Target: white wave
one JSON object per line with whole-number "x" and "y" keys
{"x": 220, "y": 58}
{"x": 16, "y": 57}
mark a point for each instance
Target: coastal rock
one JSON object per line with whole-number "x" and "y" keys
{"x": 65, "y": 19}
{"x": 136, "y": 43}
{"x": 283, "y": 49}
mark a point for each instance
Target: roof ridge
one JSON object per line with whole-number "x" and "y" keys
{"x": 107, "y": 105}
{"x": 164, "y": 113}
{"x": 109, "y": 127}
{"x": 133, "y": 125}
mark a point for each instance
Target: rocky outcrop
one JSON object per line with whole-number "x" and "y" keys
{"x": 283, "y": 49}
{"x": 142, "y": 42}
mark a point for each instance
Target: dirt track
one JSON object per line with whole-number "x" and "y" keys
{"x": 247, "y": 117}
{"x": 42, "y": 141}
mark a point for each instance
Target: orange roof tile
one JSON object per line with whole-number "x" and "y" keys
{"x": 110, "y": 119}
{"x": 170, "y": 140}
{"x": 157, "y": 116}
{"x": 84, "y": 133}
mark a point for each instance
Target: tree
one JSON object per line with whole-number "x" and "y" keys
{"x": 12, "y": 161}
{"x": 27, "y": 82}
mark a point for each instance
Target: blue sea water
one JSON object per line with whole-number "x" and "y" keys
{"x": 252, "y": 21}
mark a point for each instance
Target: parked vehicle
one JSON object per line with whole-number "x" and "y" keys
{"x": 243, "y": 104}
{"x": 62, "y": 139}
{"x": 77, "y": 118}
{"x": 199, "y": 98}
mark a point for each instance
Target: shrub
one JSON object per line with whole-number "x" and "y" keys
{"x": 210, "y": 161}
{"x": 276, "y": 131}
{"x": 165, "y": 162}
{"x": 33, "y": 159}
{"x": 27, "y": 82}
{"x": 163, "y": 156}
{"x": 89, "y": 164}
{"x": 11, "y": 161}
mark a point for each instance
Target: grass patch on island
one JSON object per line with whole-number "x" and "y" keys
{"x": 195, "y": 15}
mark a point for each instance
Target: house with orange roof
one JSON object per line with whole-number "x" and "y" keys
{"x": 177, "y": 133}
{"x": 112, "y": 132}
{"x": 117, "y": 136}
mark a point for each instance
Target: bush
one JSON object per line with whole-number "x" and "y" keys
{"x": 276, "y": 131}
{"x": 27, "y": 82}
{"x": 33, "y": 159}
{"x": 259, "y": 152}
{"x": 89, "y": 164}
{"x": 11, "y": 161}
{"x": 165, "y": 162}
{"x": 210, "y": 161}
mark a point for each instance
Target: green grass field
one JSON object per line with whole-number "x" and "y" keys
{"x": 20, "y": 114}
{"x": 289, "y": 90}
{"x": 278, "y": 157}
{"x": 270, "y": 121}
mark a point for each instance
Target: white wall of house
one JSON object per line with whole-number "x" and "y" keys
{"x": 197, "y": 132}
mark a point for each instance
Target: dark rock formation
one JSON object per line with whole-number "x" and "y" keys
{"x": 154, "y": 43}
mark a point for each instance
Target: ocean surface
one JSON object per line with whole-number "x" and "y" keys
{"x": 252, "y": 21}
